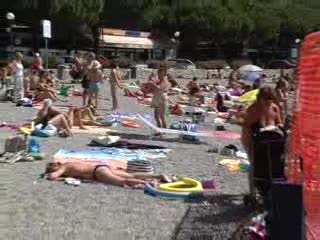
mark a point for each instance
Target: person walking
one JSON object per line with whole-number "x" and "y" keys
{"x": 16, "y": 67}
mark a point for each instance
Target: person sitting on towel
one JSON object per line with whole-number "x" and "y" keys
{"x": 81, "y": 116}
{"x": 100, "y": 173}
{"x": 263, "y": 113}
{"x": 51, "y": 115}
{"x": 194, "y": 91}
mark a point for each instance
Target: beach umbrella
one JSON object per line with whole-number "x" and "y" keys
{"x": 250, "y": 96}
{"x": 250, "y": 68}
{"x": 250, "y": 73}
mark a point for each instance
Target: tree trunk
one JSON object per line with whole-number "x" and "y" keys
{"x": 96, "y": 38}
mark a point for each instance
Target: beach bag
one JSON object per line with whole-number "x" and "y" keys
{"x": 190, "y": 127}
{"x": 47, "y": 131}
{"x": 16, "y": 143}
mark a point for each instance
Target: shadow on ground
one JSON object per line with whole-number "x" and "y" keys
{"x": 215, "y": 219}
{"x": 151, "y": 138}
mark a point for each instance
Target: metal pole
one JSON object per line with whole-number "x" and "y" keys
{"x": 46, "y": 46}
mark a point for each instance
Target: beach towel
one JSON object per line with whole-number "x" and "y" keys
{"x": 125, "y": 144}
{"x": 92, "y": 130}
{"x": 98, "y": 153}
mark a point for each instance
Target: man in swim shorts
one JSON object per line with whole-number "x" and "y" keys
{"x": 95, "y": 77}
{"x": 100, "y": 173}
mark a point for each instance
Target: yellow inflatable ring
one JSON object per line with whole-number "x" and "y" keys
{"x": 27, "y": 130}
{"x": 185, "y": 184}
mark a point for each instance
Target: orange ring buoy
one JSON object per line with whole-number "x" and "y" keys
{"x": 130, "y": 123}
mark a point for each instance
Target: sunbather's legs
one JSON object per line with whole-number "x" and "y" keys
{"x": 162, "y": 112}
{"x": 157, "y": 116}
{"x": 60, "y": 121}
{"x": 105, "y": 175}
{"x": 142, "y": 176}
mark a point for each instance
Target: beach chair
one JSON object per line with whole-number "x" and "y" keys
{"x": 154, "y": 129}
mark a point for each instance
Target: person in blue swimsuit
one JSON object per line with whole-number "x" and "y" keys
{"x": 95, "y": 79}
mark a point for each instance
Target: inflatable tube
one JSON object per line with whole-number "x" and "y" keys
{"x": 130, "y": 123}
{"x": 171, "y": 195}
{"x": 184, "y": 185}
{"x": 108, "y": 121}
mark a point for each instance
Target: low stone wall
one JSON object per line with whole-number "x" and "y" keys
{"x": 143, "y": 73}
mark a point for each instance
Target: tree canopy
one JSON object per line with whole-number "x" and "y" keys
{"x": 222, "y": 22}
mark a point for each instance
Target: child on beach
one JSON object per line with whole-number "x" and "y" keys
{"x": 194, "y": 91}
{"x": 100, "y": 173}
{"x": 95, "y": 77}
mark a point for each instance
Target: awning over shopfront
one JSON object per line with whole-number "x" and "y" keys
{"x": 127, "y": 42}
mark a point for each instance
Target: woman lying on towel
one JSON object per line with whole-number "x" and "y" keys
{"x": 51, "y": 115}
{"x": 101, "y": 173}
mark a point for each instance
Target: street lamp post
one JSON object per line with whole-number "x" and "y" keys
{"x": 298, "y": 41}
{"x": 176, "y": 40}
{"x": 10, "y": 17}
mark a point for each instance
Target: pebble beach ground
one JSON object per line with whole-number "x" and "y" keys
{"x": 39, "y": 209}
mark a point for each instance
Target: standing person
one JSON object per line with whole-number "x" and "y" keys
{"x": 37, "y": 64}
{"x": 85, "y": 80}
{"x": 95, "y": 77}
{"x": 160, "y": 98}
{"x": 17, "y": 71}
{"x": 115, "y": 84}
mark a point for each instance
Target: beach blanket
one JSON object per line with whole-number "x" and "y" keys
{"x": 236, "y": 165}
{"x": 125, "y": 144}
{"x": 120, "y": 154}
{"x": 201, "y": 133}
{"x": 92, "y": 130}
{"x": 129, "y": 115}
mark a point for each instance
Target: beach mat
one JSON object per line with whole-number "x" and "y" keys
{"x": 101, "y": 153}
{"x": 126, "y": 144}
{"x": 92, "y": 130}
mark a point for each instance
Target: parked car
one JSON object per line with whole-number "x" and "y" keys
{"x": 282, "y": 64}
{"x": 182, "y": 63}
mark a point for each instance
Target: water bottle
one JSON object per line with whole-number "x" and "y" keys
{"x": 34, "y": 146}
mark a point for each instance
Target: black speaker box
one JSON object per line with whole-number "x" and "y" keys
{"x": 286, "y": 219}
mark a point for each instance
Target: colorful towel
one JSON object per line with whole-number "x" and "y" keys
{"x": 101, "y": 154}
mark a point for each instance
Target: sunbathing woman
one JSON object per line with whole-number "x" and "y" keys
{"x": 160, "y": 99}
{"x": 44, "y": 91}
{"x": 263, "y": 113}
{"x": 50, "y": 115}
{"x": 100, "y": 173}
{"x": 80, "y": 116}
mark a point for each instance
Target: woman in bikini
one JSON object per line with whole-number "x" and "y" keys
{"x": 160, "y": 99}
{"x": 263, "y": 113}
{"x": 100, "y": 173}
{"x": 115, "y": 85}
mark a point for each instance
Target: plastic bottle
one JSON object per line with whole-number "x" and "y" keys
{"x": 34, "y": 146}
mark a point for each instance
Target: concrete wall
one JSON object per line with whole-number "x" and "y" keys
{"x": 143, "y": 73}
